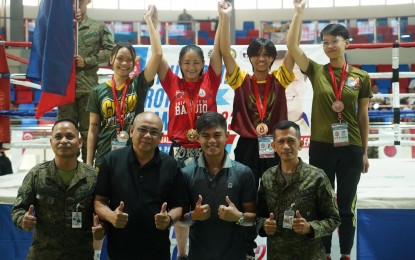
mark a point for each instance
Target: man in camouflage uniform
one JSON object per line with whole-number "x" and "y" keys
{"x": 56, "y": 200}
{"x": 296, "y": 203}
{"x": 95, "y": 43}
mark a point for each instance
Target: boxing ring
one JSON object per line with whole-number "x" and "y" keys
{"x": 386, "y": 195}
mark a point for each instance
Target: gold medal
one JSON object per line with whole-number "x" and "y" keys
{"x": 337, "y": 106}
{"x": 262, "y": 129}
{"x": 123, "y": 136}
{"x": 191, "y": 135}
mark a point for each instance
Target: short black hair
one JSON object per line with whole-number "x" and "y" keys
{"x": 65, "y": 120}
{"x": 209, "y": 120}
{"x": 335, "y": 29}
{"x": 256, "y": 45}
{"x": 286, "y": 124}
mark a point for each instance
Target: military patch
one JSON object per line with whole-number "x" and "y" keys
{"x": 18, "y": 201}
{"x": 353, "y": 82}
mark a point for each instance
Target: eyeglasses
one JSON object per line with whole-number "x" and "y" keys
{"x": 144, "y": 131}
{"x": 334, "y": 42}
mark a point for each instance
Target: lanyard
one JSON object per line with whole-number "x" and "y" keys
{"x": 338, "y": 90}
{"x": 120, "y": 108}
{"x": 261, "y": 106}
{"x": 191, "y": 104}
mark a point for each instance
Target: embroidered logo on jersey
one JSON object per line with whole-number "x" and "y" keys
{"x": 202, "y": 93}
{"x": 179, "y": 93}
{"x": 244, "y": 55}
{"x": 353, "y": 82}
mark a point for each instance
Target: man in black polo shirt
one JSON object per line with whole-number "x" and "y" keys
{"x": 222, "y": 195}
{"x": 140, "y": 194}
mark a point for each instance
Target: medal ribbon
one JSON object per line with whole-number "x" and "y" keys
{"x": 120, "y": 108}
{"x": 261, "y": 106}
{"x": 338, "y": 90}
{"x": 191, "y": 104}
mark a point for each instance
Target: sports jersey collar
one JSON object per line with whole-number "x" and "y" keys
{"x": 227, "y": 164}
{"x": 108, "y": 82}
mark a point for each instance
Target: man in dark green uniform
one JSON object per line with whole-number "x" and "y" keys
{"x": 56, "y": 201}
{"x": 95, "y": 43}
{"x": 296, "y": 204}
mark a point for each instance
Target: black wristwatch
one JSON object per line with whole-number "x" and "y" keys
{"x": 171, "y": 221}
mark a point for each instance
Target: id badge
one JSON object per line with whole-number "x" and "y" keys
{"x": 76, "y": 219}
{"x": 288, "y": 219}
{"x": 264, "y": 147}
{"x": 340, "y": 134}
{"x": 115, "y": 144}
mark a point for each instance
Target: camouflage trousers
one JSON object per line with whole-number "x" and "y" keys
{"x": 76, "y": 111}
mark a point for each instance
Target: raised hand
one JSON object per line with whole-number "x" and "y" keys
{"x": 29, "y": 220}
{"x": 162, "y": 219}
{"x": 97, "y": 230}
{"x": 229, "y": 213}
{"x": 300, "y": 224}
{"x": 270, "y": 225}
{"x": 151, "y": 13}
{"x": 120, "y": 219}
{"x": 201, "y": 212}
{"x": 225, "y": 7}
{"x": 299, "y": 4}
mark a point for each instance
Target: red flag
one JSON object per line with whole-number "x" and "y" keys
{"x": 50, "y": 100}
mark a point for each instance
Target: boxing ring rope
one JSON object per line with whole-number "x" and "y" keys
{"x": 395, "y": 74}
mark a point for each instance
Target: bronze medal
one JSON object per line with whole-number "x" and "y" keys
{"x": 337, "y": 106}
{"x": 262, "y": 129}
{"x": 123, "y": 136}
{"x": 191, "y": 135}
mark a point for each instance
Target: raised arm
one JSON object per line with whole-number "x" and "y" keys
{"x": 151, "y": 18}
{"x": 225, "y": 10}
{"x": 216, "y": 56}
{"x": 162, "y": 69}
{"x": 293, "y": 37}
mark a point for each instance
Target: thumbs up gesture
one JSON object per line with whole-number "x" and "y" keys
{"x": 120, "y": 219}
{"x": 300, "y": 224}
{"x": 270, "y": 225}
{"x": 97, "y": 230}
{"x": 29, "y": 219}
{"x": 229, "y": 213}
{"x": 201, "y": 212}
{"x": 162, "y": 219}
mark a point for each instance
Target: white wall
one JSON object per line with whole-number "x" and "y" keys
{"x": 407, "y": 56}
{"x": 257, "y": 15}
